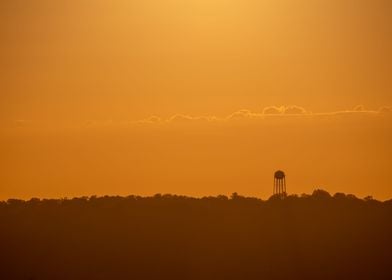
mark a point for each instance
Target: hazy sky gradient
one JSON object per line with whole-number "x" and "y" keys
{"x": 74, "y": 73}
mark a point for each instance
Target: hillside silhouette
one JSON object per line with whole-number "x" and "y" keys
{"x": 316, "y": 236}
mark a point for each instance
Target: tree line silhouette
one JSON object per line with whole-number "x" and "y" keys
{"x": 316, "y": 236}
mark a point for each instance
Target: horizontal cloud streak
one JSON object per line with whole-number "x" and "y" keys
{"x": 267, "y": 112}
{"x": 243, "y": 115}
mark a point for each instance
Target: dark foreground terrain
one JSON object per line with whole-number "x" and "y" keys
{"x": 172, "y": 237}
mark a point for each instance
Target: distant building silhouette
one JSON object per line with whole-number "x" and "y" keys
{"x": 280, "y": 183}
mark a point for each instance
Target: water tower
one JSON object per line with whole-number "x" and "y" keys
{"x": 280, "y": 183}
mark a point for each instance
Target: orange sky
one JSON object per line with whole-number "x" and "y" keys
{"x": 77, "y": 76}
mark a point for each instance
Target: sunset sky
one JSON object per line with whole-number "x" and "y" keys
{"x": 195, "y": 97}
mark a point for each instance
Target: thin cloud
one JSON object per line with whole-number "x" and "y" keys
{"x": 359, "y": 108}
{"x": 294, "y": 110}
{"x": 150, "y": 120}
{"x": 248, "y": 115}
{"x": 273, "y": 110}
{"x": 270, "y": 111}
{"x": 284, "y": 110}
{"x": 187, "y": 118}
{"x": 385, "y": 109}
{"x": 177, "y": 118}
{"x": 243, "y": 114}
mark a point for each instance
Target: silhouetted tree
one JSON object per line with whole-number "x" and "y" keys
{"x": 321, "y": 194}
{"x": 177, "y": 237}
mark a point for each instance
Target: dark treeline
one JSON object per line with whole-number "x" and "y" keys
{"x": 314, "y": 236}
